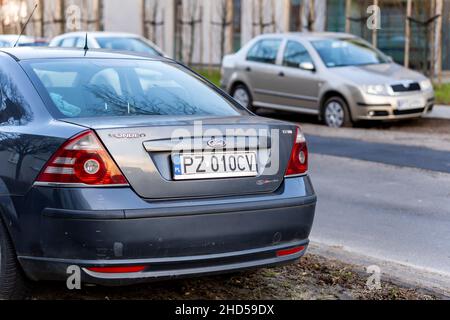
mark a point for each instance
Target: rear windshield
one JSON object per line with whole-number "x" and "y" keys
{"x": 108, "y": 87}
{"x": 126, "y": 44}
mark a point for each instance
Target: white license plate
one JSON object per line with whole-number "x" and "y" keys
{"x": 189, "y": 166}
{"x": 407, "y": 104}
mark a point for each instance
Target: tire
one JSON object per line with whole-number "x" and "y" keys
{"x": 13, "y": 283}
{"x": 336, "y": 113}
{"x": 241, "y": 94}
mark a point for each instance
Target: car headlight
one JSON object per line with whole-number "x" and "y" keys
{"x": 426, "y": 85}
{"x": 376, "y": 89}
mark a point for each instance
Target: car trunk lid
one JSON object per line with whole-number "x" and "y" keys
{"x": 143, "y": 147}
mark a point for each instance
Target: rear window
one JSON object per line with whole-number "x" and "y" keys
{"x": 126, "y": 44}
{"x": 83, "y": 88}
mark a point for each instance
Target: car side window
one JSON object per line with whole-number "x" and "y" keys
{"x": 265, "y": 51}
{"x": 295, "y": 54}
{"x": 68, "y": 42}
{"x": 80, "y": 42}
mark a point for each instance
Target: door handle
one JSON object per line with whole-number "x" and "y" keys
{"x": 281, "y": 74}
{"x": 248, "y": 69}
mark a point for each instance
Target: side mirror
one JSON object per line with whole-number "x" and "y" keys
{"x": 309, "y": 66}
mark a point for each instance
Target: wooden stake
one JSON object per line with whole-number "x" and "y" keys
{"x": 229, "y": 18}
{"x": 439, "y": 11}
{"x": 375, "y": 31}
{"x": 408, "y": 32}
{"x": 431, "y": 35}
{"x": 287, "y": 15}
{"x": 348, "y": 12}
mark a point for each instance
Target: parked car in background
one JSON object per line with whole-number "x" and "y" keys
{"x": 9, "y": 40}
{"x": 107, "y": 40}
{"x": 36, "y": 42}
{"x": 338, "y": 77}
{"x": 136, "y": 169}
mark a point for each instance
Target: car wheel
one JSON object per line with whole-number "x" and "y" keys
{"x": 13, "y": 283}
{"x": 336, "y": 114}
{"x": 242, "y": 95}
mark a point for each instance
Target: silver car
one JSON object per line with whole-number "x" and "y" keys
{"x": 338, "y": 77}
{"x": 118, "y": 41}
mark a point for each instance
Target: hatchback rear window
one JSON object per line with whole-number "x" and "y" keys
{"x": 109, "y": 87}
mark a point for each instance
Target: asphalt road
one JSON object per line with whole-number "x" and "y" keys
{"x": 377, "y": 200}
{"x": 400, "y": 155}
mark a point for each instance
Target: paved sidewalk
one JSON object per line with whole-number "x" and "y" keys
{"x": 440, "y": 112}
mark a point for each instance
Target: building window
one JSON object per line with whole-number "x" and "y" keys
{"x": 336, "y": 15}
{"x": 391, "y": 37}
{"x": 237, "y": 23}
{"x": 295, "y": 23}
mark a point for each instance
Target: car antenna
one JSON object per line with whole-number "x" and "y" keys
{"x": 25, "y": 25}
{"x": 86, "y": 47}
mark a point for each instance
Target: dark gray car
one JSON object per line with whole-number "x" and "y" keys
{"x": 134, "y": 169}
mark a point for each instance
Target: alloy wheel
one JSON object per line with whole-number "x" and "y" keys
{"x": 334, "y": 114}
{"x": 242, "y": 96}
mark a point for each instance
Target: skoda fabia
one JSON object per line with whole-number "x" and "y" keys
{"x": 130, "y": 169}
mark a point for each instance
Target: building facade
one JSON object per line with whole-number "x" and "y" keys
{"x": 413, "y": 32}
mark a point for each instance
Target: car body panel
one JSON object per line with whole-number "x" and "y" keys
{"x": 173, "y": 238}
{"x": 144, "y": 168}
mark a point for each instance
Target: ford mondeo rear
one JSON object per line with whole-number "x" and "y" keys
{"x": 135, "y": 169}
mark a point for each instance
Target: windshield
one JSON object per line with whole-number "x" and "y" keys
{"x": 110, "y": 87}
{"x": 347, "y": 52}
{"x": 126, "y": 44}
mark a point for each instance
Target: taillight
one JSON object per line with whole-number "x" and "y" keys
{"x": 82, "y": 160}
{"x": 298, "y": 163}
{"x": 290, "y": 252}
{"x": 124, "y": 269}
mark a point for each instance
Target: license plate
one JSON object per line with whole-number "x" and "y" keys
{"x": 189, "y": 166}
{"x": 407, "y": 104}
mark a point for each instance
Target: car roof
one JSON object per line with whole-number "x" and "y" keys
{"x": 103, "y": 34}
{"x": 14, "y": 37}
{"x": 311, "y": 36}
{"x": 29, "y": 53}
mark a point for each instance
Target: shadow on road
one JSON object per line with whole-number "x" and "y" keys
{"x": 422, "y": 125}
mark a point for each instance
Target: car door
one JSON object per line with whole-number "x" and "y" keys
{"x": 261, "y": 70}
{"x": 297, "y": 82}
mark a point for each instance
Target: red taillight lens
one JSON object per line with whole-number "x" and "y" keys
{"x": 298, "y": 163}
{"x": 132, "y": 269}
{"x": 290, "y": 252}
{"x": 82, "y": 160}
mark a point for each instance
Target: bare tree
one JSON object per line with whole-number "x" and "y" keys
{"x": 150, "y": 19}
{"x": 223, "y": 12}
{"x": 260, "y": 24}
{"x": 311, "y": 15}
{"x": 194, "y": 14}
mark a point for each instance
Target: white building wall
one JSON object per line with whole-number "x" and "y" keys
{"x": 127, "y": 16}
{"x": 123, "y": 16}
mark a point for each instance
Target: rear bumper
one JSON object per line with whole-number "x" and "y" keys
{"x": 161, "y": 269}
{"x": 171, "y": 238}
